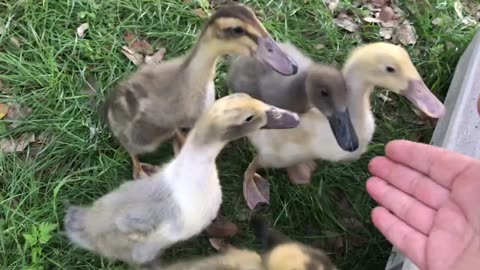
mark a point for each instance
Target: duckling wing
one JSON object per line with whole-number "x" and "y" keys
{"x": 244, "y": 73}
{"x": 140, "y": 218}
{"x": 285, "y": 92}
{"x": 140, "y": 206}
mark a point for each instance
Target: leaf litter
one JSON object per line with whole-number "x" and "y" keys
{"x": 19, "y": 144}
{"x": 384, "y": 13}
{"x": 82, "y": 29}
{"x": 140, "y": 52}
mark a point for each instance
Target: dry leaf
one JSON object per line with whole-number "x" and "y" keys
{"x": 135, "y": 57}
{"x": 15, "y": 41}
{"x": 17, "y": 113}
{"x": 384, "y": 97}
{"x": 129, "y": 37}
{"x": 386, "y": 33}
{"x": 372, "y": 20}
{"x": 141, "y": 46}
{"x": 3, "y": 110}
{"x": 386, "y": 14}
{"x": 156, "y": 57}
{"x": 81, "y": 30}
{"x": 346, "y": 22}
{"x": 458, "y": 9}
{"x": 437, "y": 21}
{"x": 405, "y": 34}
{"x": 468, "y": 20}
{"x": 16, "y": 145}
{"x": 331, "y": 4}
{"x": 200, "y": 13}
{"x": 378, "y": 3}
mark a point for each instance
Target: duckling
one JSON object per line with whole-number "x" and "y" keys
{"x": 139, "y": 219}
{"x": 231, "y": 259}
{"x": 158, "y": 100}
{"x": 282, "y": 253}
{"x": 314, "y": 87}
{"x": 372, "y": 65}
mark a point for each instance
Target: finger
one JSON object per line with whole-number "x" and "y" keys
{"x": 411, "y": 211}
{"x": 409, "y": 241}
{"x": 409, "y": 181}
{"x": 440, "y": 164}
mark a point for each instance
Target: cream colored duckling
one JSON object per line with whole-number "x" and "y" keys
{"x": 281, "y": 253}
{"x": 373, "y": 65}
{"x": 138, "y": 220}
{"x": 158, "y": 100}
{"x": 314, "y": 87}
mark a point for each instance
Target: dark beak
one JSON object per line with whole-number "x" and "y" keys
{"x": 343, "y": 130}
{"x": 281, "y": 119}
{"x": 419, "y": 94}
{"x": 268, "y": 52}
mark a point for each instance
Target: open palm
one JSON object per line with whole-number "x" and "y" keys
{"x": 430, "y": 204}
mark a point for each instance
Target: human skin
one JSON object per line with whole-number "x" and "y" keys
{"x": 429, "y": 204}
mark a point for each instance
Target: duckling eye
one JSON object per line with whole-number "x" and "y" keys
{"x": 249, "y": 119}
{"x": 238, "y": 30}
{"x": 324, "y": 93}
{"x": 390, "y": 69}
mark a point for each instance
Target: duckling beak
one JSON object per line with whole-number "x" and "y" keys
{"x": 268, "y": 52}
{"x": 419, "y": 94}
{"x": 281, "y": 119}
{"x": 343, "y": 130}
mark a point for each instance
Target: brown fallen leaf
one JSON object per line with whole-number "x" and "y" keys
{"x": 377, "y": 3}
{"x": 346, "y": 22}
{"x": 141, "y": 46}
{"x": 405, "y": 34}
{"x": 17, "y": 113}
{"x": 372, "y": 20}
{"x": 387, "y": 14}
{"x": 156, "y": 58}
{"x": 129, "y": 37}
{"x": 3, "y": 110}
{"x": 200, "y": 13}
{"x": 134, "y": 57}
{"x": 386, "y": 33}
{"x": 331, "y": 4}
{"x": 16, "y": 145}
{"x": 82, "y": 29}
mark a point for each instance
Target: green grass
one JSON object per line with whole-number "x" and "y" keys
{"x": 81, "y": 161}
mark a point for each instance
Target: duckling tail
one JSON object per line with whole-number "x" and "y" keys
{"x": 75, "y": 223}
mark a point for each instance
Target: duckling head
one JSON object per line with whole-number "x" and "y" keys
{"x": 327, "y": 91}
{"x": 389, "y": 66}
{"x": 236, "y": 115}
{"x": 282, "y": 253}
{"x": 234, "y": 29}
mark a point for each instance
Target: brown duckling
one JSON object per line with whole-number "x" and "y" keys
{"x": 158, "y": 100}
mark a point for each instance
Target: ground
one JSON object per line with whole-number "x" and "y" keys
{"x": 44, "y": 67}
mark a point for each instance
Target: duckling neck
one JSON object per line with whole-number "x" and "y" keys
{"x": 201, "y": 63}
{"x": 201, "y": 147}
{"x": 359, "y": 99}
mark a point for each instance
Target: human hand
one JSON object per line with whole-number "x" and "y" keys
{"x": 434, "y": 198}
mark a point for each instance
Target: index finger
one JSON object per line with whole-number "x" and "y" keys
{"x": 441, "y": 165}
